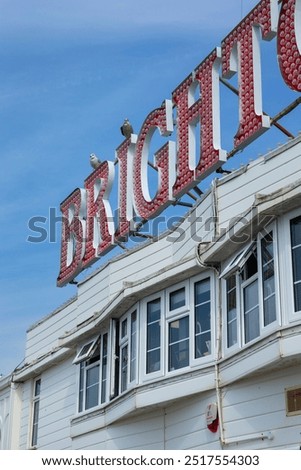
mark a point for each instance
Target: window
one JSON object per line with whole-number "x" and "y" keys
{"x": 153, "y": 336}
{"x": 93, "y": 373}
{"x": 104, "y": 368}
{"x": 250, "y": 294}
{"x": 35, "y": 412}
{"x": 202, "y": 306}
{"x": 174, "y": 329}
{"x": 268, "y": 279}
{"x": 178, "y": 327}
{"x": 249, "y": 275}
{"x": 231, "y": 311}
{"x": 85, "y": 351}
{"x": 177, "y": 299}
{"x": 178, "y": 344}
{"x": 295, "y": 228}
{"x": 128, "y": 350}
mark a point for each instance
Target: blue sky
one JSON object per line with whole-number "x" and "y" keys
{"x": 70, "y": 72}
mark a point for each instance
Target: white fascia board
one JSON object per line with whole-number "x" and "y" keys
{"x": 40, "y": 364}
{"x": 5, "y": 382}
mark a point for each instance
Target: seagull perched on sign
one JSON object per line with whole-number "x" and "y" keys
{"x": 126, "y": 129}
{"x": 94, "y": 161}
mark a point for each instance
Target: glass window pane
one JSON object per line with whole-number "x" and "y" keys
{"x": 232, "y": 314}
{"x": 203, "y": 344}
{"x": 296, "y": 260}
{"x": 268, "y": 280}
{"x": 153, "y": 310}
{"x": 267, "y": 248}
{"x": 104, "y": 368}
{"x": 124, "y": 328}
{"x": 92, "y": 396}
{"x": 178, "y": 355}
{"x": 231, "y": 311}
{"x": 92, "y": 386}
{"x": 95, "y": 356}
{"x": 35, "y": 423}
{"x": 296, "y": 231}
{"x": 37, "y": 389}
{"x": 252, "y": 324}
{"x": 202, "y": 318}
{"x": 251, "y": 295}
{"x": 297, "y": 263}
{"x": 232, "y": 333}
{"x": 297, "y": 296}
{"x": 202, "y": 291}
{"x": 133, "y": 346}
{"x": 124, "y": 368}
{"x": 269, "y": 310}
{"x": 81, "y": 386}
{"x": 178, "y": 344}
{"x": 153, "y": 361}
{"x": 250, "y": 267}
{"x": 178, "y": 330}
{"x": 153, "y": 336}
{"x": 251, "y": 311}
{"x": 92, "y": 376}
{"x": 177, "y": 299}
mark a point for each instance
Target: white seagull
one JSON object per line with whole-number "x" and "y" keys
{"x": 94, "y": 161}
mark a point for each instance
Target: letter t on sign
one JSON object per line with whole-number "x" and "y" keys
{"x": 241, "y": 53}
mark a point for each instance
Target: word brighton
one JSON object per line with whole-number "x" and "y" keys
{"x": 88, "y": 230}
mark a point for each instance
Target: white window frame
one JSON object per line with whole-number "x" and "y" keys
{"x": 35, "y": 413}
{"x": 168, "y": 322}
{"x": 80, "y": 361}
{"x": 236, "y": 345}
{"x": 168, "y": 316}
{"x": 234, "y": 267}
{"x": 86, "y": 351}
{"x": 244, "y": 284}
{"x": 171, "y": 316}
{"x": 287, "y": 283}
{"x": 197, "y": 361}
{"x": 146, "y": 377}
{"x": 126, "y": 341}
{"x": 170, "y": 290}
{"x": 266, "y": 329}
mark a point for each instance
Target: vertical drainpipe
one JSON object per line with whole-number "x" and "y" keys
{"x": 218, "y": 391}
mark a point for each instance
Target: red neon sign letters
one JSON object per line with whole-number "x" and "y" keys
{"x": 88, "y": 230}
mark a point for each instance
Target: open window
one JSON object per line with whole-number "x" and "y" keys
{"x": 250, "y": 304}
{"x": 86, "y": 351}
{"x": 93, "y": 374}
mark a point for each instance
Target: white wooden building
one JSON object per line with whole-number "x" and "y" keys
{"x": 206, "y": 317}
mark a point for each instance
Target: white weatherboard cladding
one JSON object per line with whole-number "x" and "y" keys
{"x": 145, "y": 430}
{"x": 57, "y": 405}
{"x": 25, "y": 414}
{"x": 44, "y": 336}
{"x": 178, "y": 426}
{"x": 4, "y": 417}
{"x": 236, "y": 195}
{"x": 197, "y": 228}
{"x": 185, "y": 424}
{"x": 258, "y": 405}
